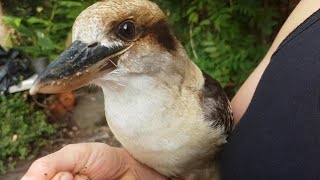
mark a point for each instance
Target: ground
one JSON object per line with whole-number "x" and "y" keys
{"x": 86, "y": 123}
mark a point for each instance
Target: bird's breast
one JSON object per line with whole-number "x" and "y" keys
{"x": 150, "y": 116}
{"x": 160, "y": 127}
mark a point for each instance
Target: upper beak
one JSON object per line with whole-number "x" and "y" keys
{"x": 77, "y": 66}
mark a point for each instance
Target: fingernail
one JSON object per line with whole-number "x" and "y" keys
{"x": 66, "y": 177}
{"x": 81, "y": 177}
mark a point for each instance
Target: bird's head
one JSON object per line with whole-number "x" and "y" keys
{"x": 127, "y": 37}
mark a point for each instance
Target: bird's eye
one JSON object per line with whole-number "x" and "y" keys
{"x": 127, "y": 30}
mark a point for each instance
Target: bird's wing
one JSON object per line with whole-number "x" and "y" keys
{"x": 216, "y": 104}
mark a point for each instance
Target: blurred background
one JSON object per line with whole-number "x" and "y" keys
{"x": 226, "y": 38}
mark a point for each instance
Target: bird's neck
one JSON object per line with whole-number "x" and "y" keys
{"x": 144, "y": 105}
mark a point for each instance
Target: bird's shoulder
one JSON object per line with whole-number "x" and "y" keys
{"x": 216, "y": 105}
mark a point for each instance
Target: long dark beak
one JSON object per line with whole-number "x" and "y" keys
{"x": 77, "y": 66}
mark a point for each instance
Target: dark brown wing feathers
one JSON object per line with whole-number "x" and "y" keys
{"x": 216, "y": 104}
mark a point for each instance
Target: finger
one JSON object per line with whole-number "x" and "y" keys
{"x": 63, "y": 176}
{"x": 95, "y": 160}
{"x": 45, "y": 168}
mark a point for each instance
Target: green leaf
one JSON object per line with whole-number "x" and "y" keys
{"x": 12, "y": 21}
{"x": 25, "y": 31}
{"x": 34, "y": 50}
{"x": 69, "y": 3}
{"x": 46, "y": 43}
{"x": 210, "y": 49}
{"x": 35, "y": 20}
{"x": 205, "y": 22}
{"x": 60, "y": 26}
{"x": 193, "y": 18}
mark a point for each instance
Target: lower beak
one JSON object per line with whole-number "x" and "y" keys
{"x": 76, "y": 67}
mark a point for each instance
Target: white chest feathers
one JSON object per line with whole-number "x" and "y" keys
{"x": 159, "y": 126}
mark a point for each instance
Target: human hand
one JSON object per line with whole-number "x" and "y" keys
{"x": 90, "y": 161}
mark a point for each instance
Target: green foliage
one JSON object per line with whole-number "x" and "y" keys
{"x": 227, "y": 39}
{"x": 41, "y": 29}
{"x": 22, "y": 130}
{"x": 44, "y": 29}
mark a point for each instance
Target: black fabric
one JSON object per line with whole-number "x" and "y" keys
{"x": 279, "y": 135}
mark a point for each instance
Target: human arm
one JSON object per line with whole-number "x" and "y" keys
{"x": 242, "y": 99}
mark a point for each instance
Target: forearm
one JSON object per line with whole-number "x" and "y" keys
{"x": 242, "y": 99}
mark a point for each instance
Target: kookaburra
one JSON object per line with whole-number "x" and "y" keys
{"x": 162, "y": 108}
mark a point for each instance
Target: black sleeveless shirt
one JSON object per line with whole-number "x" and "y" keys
{"x": 279, "y": 134}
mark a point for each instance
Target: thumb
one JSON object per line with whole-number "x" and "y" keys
{"x": 48, "y": 167}
{"x": 63, "y": 176}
